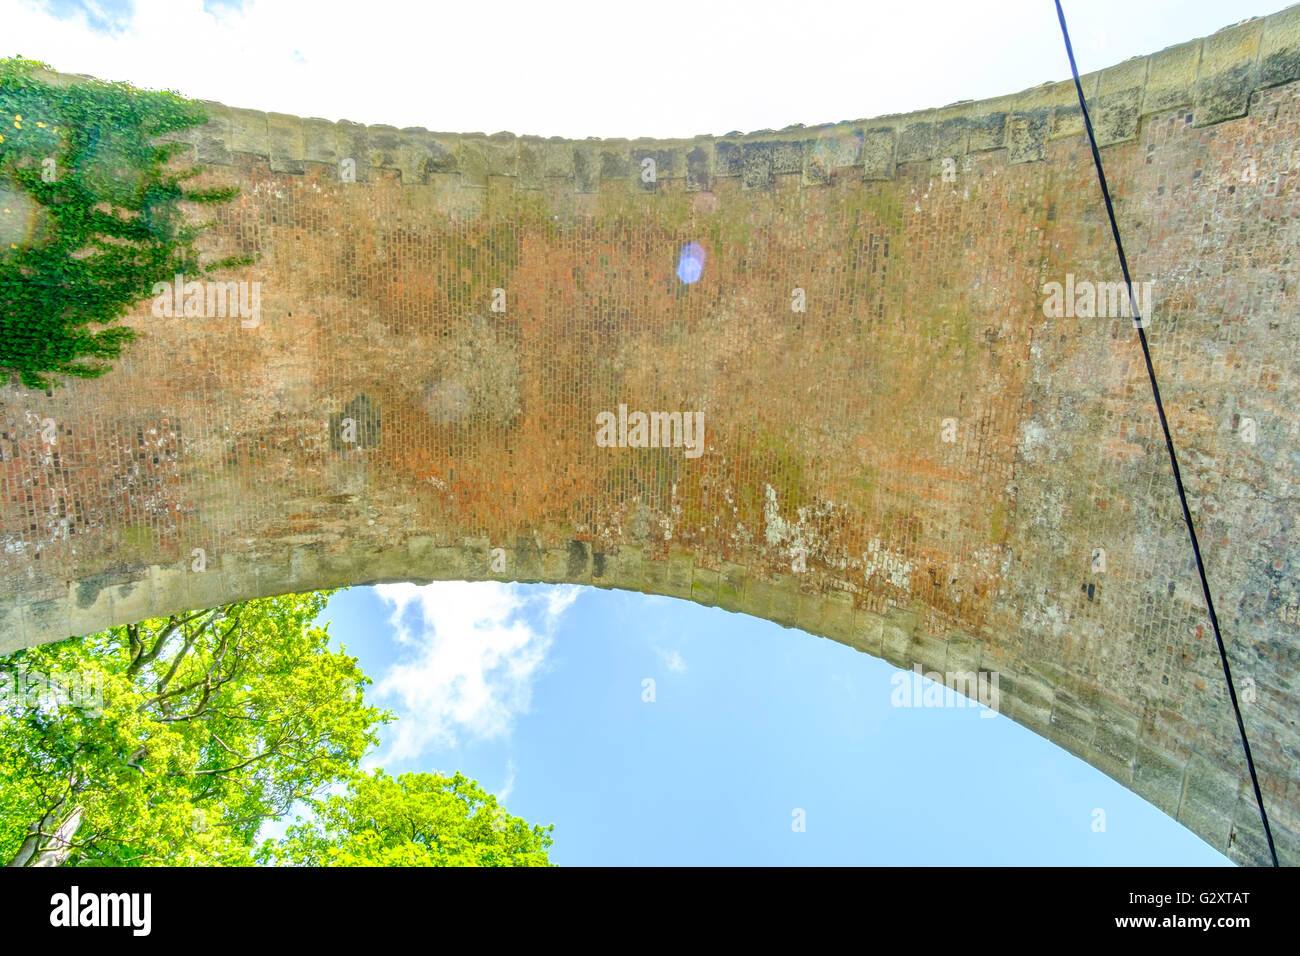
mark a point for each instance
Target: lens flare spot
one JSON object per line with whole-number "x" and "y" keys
{"x": 690, "y": 266}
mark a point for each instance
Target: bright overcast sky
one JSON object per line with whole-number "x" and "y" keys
{"x": 595, "y": 68}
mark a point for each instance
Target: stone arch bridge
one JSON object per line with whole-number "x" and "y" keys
{"x": 912, "y": 442}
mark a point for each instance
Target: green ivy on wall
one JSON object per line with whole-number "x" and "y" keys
{"x": 90, "y": 217}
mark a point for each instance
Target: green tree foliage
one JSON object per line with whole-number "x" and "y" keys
{"x": 417, "y": 819}
{"x": 211, "y": 723}
{"x": 90, "y": 217}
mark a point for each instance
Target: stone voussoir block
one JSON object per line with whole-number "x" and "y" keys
{"x": 962, "y": 654}
{"x": 704, "y": 586}
{"x": 248, "y": 131}
{"x": 39, "y": 621}
{"x": 896, "y": 637}
{"x": 727, "y": 158}
{"x": 649, "y": 163}
{"x": 320, "y": 141}
{"x": 988, "y": 129}
{"x": 681, "y": 566}
{"x": 1045, "y": 112}
{"x": 212, "y": 139}
{"x": 808, "y": 611}
{"x": 275, "y": 574}
{"x": 479, "y": 157}
{"x": 420, "y": 155}
{"x": 1171, "y": 78}
{"x": 1071, "y": 722}
{"x": 699, "y": 160}
{"x": 1158, "y": 778}
{"x": 626, "y": 569}
{"x": 1279, "y": 53}
{"x": 1208, "y": 800}
{"x": 1025, "y": 698}
{"x": 878, "y": 152}
{"x": 353, "y": 144}
{"x": 868, "y": 632}
{"x": 1228, "y": 73}
{"x": 554, "y": 563}
{"x": 1117, "y": 112}
{"x": 733, "y": 581}
{"x": 916, "y": 141}
{"x": 586, "y": 167}
{"x": 477, "y": 557}
{"x": 286, "y": 140}
{"x": 382, "y": 145}
{"x": 211, "y": 585}
{"x": 837, "y": 616}
{"x": 654, "y": 577}
{"x": 14, "y": 633}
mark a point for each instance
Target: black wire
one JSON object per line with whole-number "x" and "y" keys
{"x": 1169, "y": 441}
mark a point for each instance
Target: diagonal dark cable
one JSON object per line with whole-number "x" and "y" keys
{"x": 1164, "y": 424}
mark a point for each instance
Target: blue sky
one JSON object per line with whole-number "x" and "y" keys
{"x": 537, "y": 692}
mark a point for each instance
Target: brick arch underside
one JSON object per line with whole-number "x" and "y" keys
{"x": 920, "y": 463}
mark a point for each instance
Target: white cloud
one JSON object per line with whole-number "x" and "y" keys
{"x": 673, "y": 660}
{"x": 469, "y": 655}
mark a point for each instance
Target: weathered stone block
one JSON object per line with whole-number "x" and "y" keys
{"x": 837, "y": 616}
{"x": 248, "y": 132}
{"x": 1027, "y": 137}
{"x": 1157, "y": 778}
{"x": 1171, "y": 78}
{"x": 988, "y": 131}
{"x": 808, "y": 612}
{"x": 916, "y": 141}
{"x": 1026, "y": 699}
{"x": 868, "y": 632}
{"x": 680, "y": 565}
{"x": 420, "y": 154}
{"x": 13, "y": 629}
{"x": 1118, "y": 107}
{"x": 1209, "y": 801}
{"x": 586, "y": 167}
{"x": 285, "y": 138}
{"x": 699, "y": 167}
{"x": 704, "y": 586}
{"x": 732, "y": 583}
{"x": 1228, "y": 73}
{"x": 577, "y": 562}
{"x": 212, "y": 139}
{"x": 878, "y": 153}
{"x": 481, "y": 157}
{"x": 727, "y": 159}
{"x": 1279, "y": 53}
{"x": 353, "y": 142}
{"x": 756, "y": 165}
{"x": 896, "y": 644}
{"x": 527, "y": 559}
{"x": 382, "y": 144}
{"x": 320, "y": 141}
{"x": 783, "y": 600}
